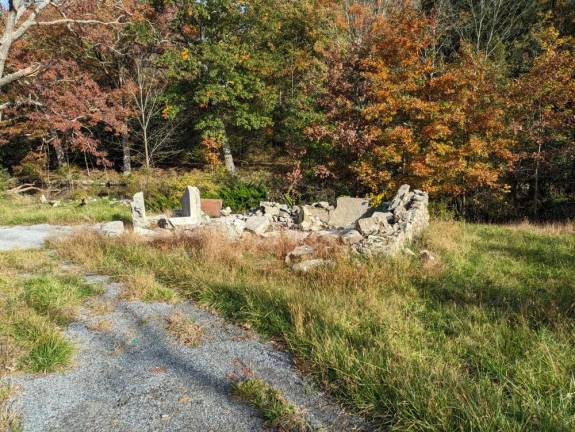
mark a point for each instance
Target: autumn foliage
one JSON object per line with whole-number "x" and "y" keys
{"x": 352, "y": 96}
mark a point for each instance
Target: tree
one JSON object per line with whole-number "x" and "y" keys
{"x": 22, "y": 16}
{"x": 541, "y": 106}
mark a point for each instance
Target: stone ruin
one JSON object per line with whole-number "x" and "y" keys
{"x": 381, "y": 230}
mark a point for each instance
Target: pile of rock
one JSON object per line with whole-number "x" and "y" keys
{"x": 381, "y": 230}
{"x": 393, "y": 225}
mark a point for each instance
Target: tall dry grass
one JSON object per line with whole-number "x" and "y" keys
{"x": 484, "y": 341}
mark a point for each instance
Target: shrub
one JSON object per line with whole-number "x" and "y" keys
{"x": 241, "y": 195}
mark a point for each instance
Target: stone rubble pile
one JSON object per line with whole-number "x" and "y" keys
{"x": 368, "y": 230}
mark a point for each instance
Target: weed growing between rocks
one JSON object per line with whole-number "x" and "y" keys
{"x": 278, "y": 413}
{"x": 480, "y": 339}
{"x": 184, "y": 330}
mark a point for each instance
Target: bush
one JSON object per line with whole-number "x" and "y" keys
{"x": 241, "y": 195}
{"x": 163, "y": 189}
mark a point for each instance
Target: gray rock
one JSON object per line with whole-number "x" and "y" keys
{"x": 399, "y": 198}
{"x": 308, "y": 218}
{"x": 426, "y": 256}
{"x": 299, "y": 254}
{"x": 368, "y": 226}
{"x": 306, "y": 266}
{"x": 348, "y": 211}
{"x": 138, "y": 207}
{"x": 192, "y": 204}
{"x": 111, "y": 229}
{"x": 257, "y": 224}
{"x": 231, "y": 226}
{"x": 351, "y": 237}
{"x": 270, "y": 209}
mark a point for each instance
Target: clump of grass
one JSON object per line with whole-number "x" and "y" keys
{"x": 277, "y": 412}
{"x": 143, "y": 285}
{"x": 101, "y": 326}
{"x": 9, "y": 421}
{"x": 55, "y": 297}
{"x": 49, "y": 352}
{"x": 184, "y": 329}
{"x": 484, "y": 341}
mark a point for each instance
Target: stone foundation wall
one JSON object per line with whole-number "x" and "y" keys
{"x": 368, "y": 230}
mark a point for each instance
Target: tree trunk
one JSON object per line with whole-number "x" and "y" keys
{"x": 228, "y": 158}
{"x": 60, "y": 156}
{"x": 126, "y": 156}
{"x": 536, "y": 192}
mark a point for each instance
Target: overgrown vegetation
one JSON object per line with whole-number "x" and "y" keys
{"x": 34, "y": 303}
{"x": 278, "y": 413}
{"x": 483, "y": 339}
{"x": 9, "y": 421}
{"x": 470, "y": 100}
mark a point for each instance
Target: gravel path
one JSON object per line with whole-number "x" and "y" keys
{"x": 133, "y": 376}
{"x": 30, "y": 236}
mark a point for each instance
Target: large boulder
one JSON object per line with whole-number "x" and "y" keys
{"x": 348, "y": 211}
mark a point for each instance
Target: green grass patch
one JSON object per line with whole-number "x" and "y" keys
{"x": 56, "y": 298}
{"x": 277, "y": 412}
{"x": 23, "y": 210}
{"x": 48, "y": 353}
{"x": 32, "y": 310}
{"x": 482, "y": 340}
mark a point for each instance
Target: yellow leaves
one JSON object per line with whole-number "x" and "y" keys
{"x": 185, "y": 54}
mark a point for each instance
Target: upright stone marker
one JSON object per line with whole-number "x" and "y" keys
{"x": 192, "y": 204}
{"x": 139, "y": 219}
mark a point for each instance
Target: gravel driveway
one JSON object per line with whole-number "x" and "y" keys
{"x": 134, "y": 376}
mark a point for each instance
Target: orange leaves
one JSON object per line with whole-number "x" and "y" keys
{"x": 211, "y": 151}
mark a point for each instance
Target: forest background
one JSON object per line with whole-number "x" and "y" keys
{"x": 471, "y": 100}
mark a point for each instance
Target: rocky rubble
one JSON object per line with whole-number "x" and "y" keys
{"x": 367, "y": 230}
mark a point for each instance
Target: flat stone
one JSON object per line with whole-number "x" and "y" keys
{"x": 111, "y": 229}
{"x": 179, "y": 222}
{"x": 192, "y": 204}
{"x": 257, "y": 224}
{"x": 348, "y": 211}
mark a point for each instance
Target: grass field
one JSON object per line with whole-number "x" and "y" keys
{"x": 24, "y": 210}
{"x": 483, "y": 339}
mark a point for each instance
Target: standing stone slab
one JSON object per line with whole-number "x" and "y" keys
{"x": 348, "y": 211}
{"x": 139, "y": 219}
{"x": 192, "y": 204}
